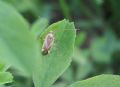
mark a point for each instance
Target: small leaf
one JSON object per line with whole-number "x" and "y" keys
{"x": 81, "y": 37}
{"x": 59, "y": 58}
{"x": 5, "y": 77}
{"x": 17, "y": 45}
{"x": 3, "y": 67}
{"x": 99, "y": 81}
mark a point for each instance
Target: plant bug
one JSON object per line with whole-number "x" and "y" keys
{"x": 48, "y": 42}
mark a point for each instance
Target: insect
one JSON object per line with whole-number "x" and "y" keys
{"x": 48, "y": 42}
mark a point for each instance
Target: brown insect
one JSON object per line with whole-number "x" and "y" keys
{"x": 48, "y": 42}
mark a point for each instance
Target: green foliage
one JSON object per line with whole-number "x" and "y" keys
{"x": 17, "y": 45}
{"x": 21, "y": 43}
{"x": 84, "y": 67}
{"x": 20, "y": 48}
{"x": 39, "y": 26}
{"x": 99, "y": 81}
{"x": 103, "y": 47}
{"x": 59, "y": 85}
{"x": 24, "y": 5}
{"x": 5, "y": 77}
{"x": 114, "y": 7}
{"x": 55, "y": 63}
{"x": 65, "y": 9}
{"x": 3, "y": 67}
{"x": 80, "y": 39}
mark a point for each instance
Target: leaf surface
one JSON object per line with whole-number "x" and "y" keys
{"x": 99, "y": 81}
{"x": 5, "y": 77}
{"x": 59, "y": 58}
{"x": 18, "y": 46}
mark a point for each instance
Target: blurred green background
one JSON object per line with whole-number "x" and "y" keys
{"x": 97, "y": 46}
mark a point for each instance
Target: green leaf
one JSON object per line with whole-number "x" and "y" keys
{"x": 22, "y": 5}
{"x": 65, "y": 9}
{"x": 59, "y": 58}
{"x": 60, "y": 84}
{"x": 99, "y": 81}
{"x": 103, "y": 47}
{"x": 18, "y": 47}
{"x": 3, "y": 67}
{"x": 100, "y": 50}
{"x": 39, "y": 26}
{"x": 68, "y": 75}
{"x": 81, "y": 37}
{"x": 5, "y": 77}
{"x": 84, "y": 66}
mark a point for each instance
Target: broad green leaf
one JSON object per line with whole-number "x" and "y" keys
{"x": 99, "y": 81}
{"x": 59, "y": 58}
{"x": 39, "y": 26}
{"x": 18, "y": 46}
{"x": 5, "y": 77}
